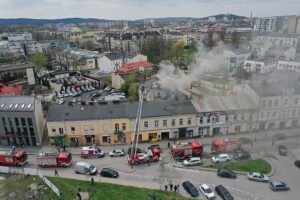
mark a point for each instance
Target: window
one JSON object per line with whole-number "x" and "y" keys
{"x": 201, "y": 119}
{"x": 208, "y": 119}
{"x": 286, "y": 101}
{"x": 61, "y": 131}
{"x": 117, "y": 127}
{"x": 283, "y": 113}
{"x": 17, "y": 121}
{"x": 165, "y": 123}
{"x": 276, "y": 102}
{"x": 268, "y": 114}
{"x": 29, "y": 121}
{"x": 296, "y": 101}
{"x": 269, "y": 103}
{"x": 72, "y": 128}
{"x": 173, "y": 122}
{"x": 53, "y": 130}
{"x": 23, "y": 122}
{"x": 156, "y": 123}
{"x": 189, "y": 121}
{"x": 180, "y": 121}
{"x": 273, "y": 113}
{"x": 293, "y": 113}
{"x": 263, "y": 103}
{"x": 262, "y": 114}
{"x": 235, "y": 117}
{"x": 242, "y": 117}
{"x": 3, "y": 121}
{"x": 123, "y": 126}
{"x": 217, "y": 118}
{"x": 250, "y": 116}
{"x": 31, "y": 131}
{"x": 146, "y": 124}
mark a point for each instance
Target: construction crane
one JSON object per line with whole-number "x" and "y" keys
{"x": 137, "y": 127}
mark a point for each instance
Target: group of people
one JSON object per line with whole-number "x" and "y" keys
{"x": 171, "y": 186}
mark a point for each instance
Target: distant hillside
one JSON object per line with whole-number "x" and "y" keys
{"x": 27, "y": 21}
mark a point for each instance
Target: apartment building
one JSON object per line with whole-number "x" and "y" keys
{"x": 261, "y": 66}
{"x": 114, "y": 123}
{"x": 265, "y": 24}
{"x": 235, "y": 58}
{"x": 292, "y": 65}
{"x": 22, "y": 120}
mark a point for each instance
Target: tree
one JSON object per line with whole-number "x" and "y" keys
{"x": 133, "y": 92}
{"x": 40, "y": 60}
{"x": 177, "y": 49}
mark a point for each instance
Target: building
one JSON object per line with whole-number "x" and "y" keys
{"x": 222, "y": 115}
{"x": 262, "y": 66}
{"x": 22, "y": 120}
{"x": 235, "y": 58}
{"x": 293, "y": 65}
{"x": 278, "y": 103}
{"x": 11, "y": 90}
{"x": 265, "y": 24}
{"x": 114, "y": 123}
{"x": 19, "y": 74}
{"x": 282, "y": 52}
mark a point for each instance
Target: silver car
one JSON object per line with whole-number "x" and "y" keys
{"x": 255, "y": 176}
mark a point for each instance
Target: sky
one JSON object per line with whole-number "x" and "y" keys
{"x": 139, "y": 9}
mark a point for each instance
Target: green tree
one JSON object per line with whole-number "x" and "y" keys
{"x": 177, "y": 49}
{"x": 40, "y": 60}
{"x": 133, "y": 92}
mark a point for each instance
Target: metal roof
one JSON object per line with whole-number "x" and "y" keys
{"x": 17, "y": 103}
{"x": 13, "y": 67}
{"x": 118, "y": 111}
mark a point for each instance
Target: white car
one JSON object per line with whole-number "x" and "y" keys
{"x": 255, "y": 176}
{"x": 207, "y": 191}
{"x": 221, "y": 158}
{"x": 66, "y": 94}
{"x": 60, "y": 96}
{"x": 61, "y": 101}
{"x": 192, "y": 161}
{"x": 117, "y": 152}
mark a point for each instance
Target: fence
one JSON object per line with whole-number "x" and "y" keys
{"x": 33, "y": 172}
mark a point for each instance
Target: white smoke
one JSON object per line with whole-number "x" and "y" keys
{"x": 204, "y": 61}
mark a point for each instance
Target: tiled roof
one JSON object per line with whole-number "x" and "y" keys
{"x": 134, "y": 66}
{"x": 11, "y": 90}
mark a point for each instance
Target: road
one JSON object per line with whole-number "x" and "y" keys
{"x": 160, "y": 173}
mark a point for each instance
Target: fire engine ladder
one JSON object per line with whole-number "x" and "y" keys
{"x": 137, "y": 127}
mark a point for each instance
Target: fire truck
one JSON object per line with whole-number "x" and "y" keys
{"x": 53, "y": 159}
{"x": 181, "y": 151}
{"x": 225, "y": 146}
{"x": 150, "y": 155}
{"x": 13, "y": 158}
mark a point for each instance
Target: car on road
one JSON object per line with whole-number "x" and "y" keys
{"x": 61, "y": 101}
{"x": 255, "y": 176}
{"x": 60, "y": 96}
{"x": 226, "y": 173}
{"x": 110, "y": 173}
{"x": 278, "y": 186}
{"x": 190, "y": 188}
{"x": 297, "y": 163}
{"x": 242, "y": 156}
{"x": 221, "y": 158}
{"x": 138, "y": 150}
{"x": 282, "y": 150}
{"x": 207, "y": 191}
{"x": 223, "y": 192}
{"x": 85, "y": 168}
{"x": 192, "y": 161}
{"x": 117, "y": 152}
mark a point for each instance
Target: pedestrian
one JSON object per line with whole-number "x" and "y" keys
{"x": 171, "y": 187}
{"x": 64, "y": 148}
{"x": 58, "y": 149}
{"x": 148, "y": 162}
{"x": 22, "y": 146}
{"x": 169, "y": 145}
{"x": 166, "y": 187}
{"x": 178, "y": 187}
{"x": 175, "y": 188}
{"x": 55, "y": 173}
{"x": 78, "y": 196}
{"x": 92, "y": 181}
{"x": 14, "y": 148}
{"x": 17, "y": 145}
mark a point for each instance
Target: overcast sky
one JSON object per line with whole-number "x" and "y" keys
{"x": 137, "y": 9}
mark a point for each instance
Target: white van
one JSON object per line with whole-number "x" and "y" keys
{"x": 85, "y": 168}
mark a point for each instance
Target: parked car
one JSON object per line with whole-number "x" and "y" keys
{"x": 255, "y": 176}
{"x": 223, "y": 192}
{"x": 65, "y": 94}
{"x": 226, "y": 173}
{"x": 278, "y": 186}
{"x": 221, "y": 158}
{"x": 242, "y": 156}
{"x": 107, "y": 172}
{"x": 297, "y": 163}
{"x": 61, "y": 101}
{"x": 190, "y": 188}
{"x": 85, "y": 168}
{"x": 154, "y": 146}
{"x": 107, "y": 89}
{"x": 117, "y": 152}
{"x": 192, "y": 161}
{"x": 282, "y": 150}
{"x": 206, "y": 191}
{"x": 96, "y": 94}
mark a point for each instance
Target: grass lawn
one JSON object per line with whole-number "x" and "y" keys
{"x": 103, "y": 191}
{"x": 258, "y": 165}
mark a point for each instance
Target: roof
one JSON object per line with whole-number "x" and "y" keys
{"x": 17, "y": 103}
{"x": 13, "y": 67}
{"x": 116, "y": 56}
{"x": 134, "y": 66}
{"x": 11, "y": 90}
{"x": 223, "y": 103}
{"x": 278, "y": 88}
{"x": 276, "y": 34}
{"x": 239, "y": 51}
{"x": 118, "y": 111}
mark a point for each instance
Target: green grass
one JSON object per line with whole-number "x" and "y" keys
{"x": 258, "y": 165}
{"x": 103, "y": 191}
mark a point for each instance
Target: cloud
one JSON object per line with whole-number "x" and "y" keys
{"x": 135, "y": 9}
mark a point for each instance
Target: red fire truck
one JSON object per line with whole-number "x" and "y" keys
{"x": 13, "y": 158}
{"x": 63, "y": 159}
{"x": 181, "y": 151}
{"x": 225, "y": 146}
{"x": 150, "y": 155}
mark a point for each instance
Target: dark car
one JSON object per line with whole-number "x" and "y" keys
{"x": 278, "y": 186}
{"x": 297, "y": 163}
{"x": 282, "y": 150}
{"x": 242, "y": 156}
{"x": 190, "y": 188}
{"x": 107, "y": 172}
{"x": 138, "y": 150}
{"x": 226, "y": 173}
{"x": 223, "y": 192}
